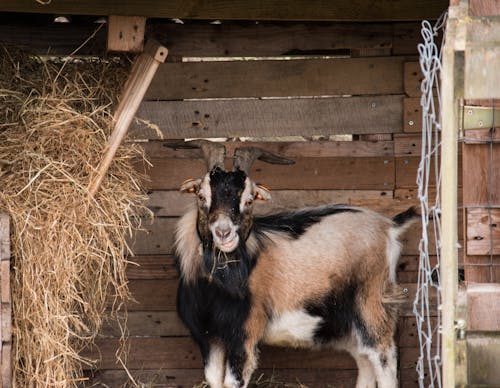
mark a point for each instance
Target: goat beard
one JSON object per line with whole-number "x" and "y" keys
{"x": 228, "y": 270}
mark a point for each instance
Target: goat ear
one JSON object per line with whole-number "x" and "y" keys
{"x": 262, "y": 192}
{"x": 190, "y": 186}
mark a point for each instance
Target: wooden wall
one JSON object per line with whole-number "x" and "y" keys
{"x": 371, "y": 92}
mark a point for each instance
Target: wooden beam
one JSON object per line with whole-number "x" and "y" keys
{"x": 483, "y": 307}
{"x": 269, "y": 117}
{"x": 318, "y": 10}
{"x": 141, "y": 75}
{"x": 277, "y": 78}
{"x": 126, "y": 33}
{"x": 483, "y": 231}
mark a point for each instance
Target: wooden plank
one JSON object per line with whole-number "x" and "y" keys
{"x": 6, "y": 364}
{"x": 483, "y": 307}
{"x": 312, "y": 173}
{"x": 5, "y": 295}
{"x": 484, "y": 8}
{"x": 174, "y": 203}
{"x": 412, "y": 79}
{"x": 168, "y": 324}
{"x": 481, "y": 269}
{"x": 153, "y": 295}
{"x": 482, "y": 59}
{"x": 298, "y": 149}
{"x": 483, "y": 358}
{"x": 160, "y": 295}
{"x": 406, "y": 172}
{"x": 201, "y": 39}
{"x": 407, "y": 335}
{"x": 481, "y": 136}
{"x": 152, "y": 267}
{"x": 318, "y": 10}
{"x": 406, "y": 38}
{"x": 407, "y": 144}
{"x": 293, "y": 378}
{"x": 126, "y": 33}
{"x": 278, "y": 78}
{"x": 159, "y": 239}
{"x": 412, "y": 111}
{"x": 479, "y": 162}
{"x": 270, "y": 117}
{"x": 147, "y": 324}
{"x": 4, "y": 237}
{"x": 6, "y": 322}
{"x": 483, "y": 231}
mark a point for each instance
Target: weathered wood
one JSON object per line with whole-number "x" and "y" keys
{"x": 152, "y": 267}
{"x": 482, "y": 59}
{"x": 271, "y": 117}
{"x": 376, "y": 137}
{"x": 174, "y": 203}
{"x": 481, "y": 136}
{"x": 479, "y": 162}
{"x": 311, "y": 173}
{"x": 483, "y": 231}
{"x": 159, "y": 238}
{"x": 168, "y": 324}
{"x": 4, "y": 237}
{"x": 316, "y": 149}
{"x": 484, "y": 8}
{"x": 182, "y": 353}
{"x": 483, "y": 307}
{"x": 126, "y": 33}
{"x": 153, "y": 295}
{"x": 481, "y": 269}
{"x": 323, "y": 378}
{"x": 412, "y": 79}
{"x": 278, "y": 78}
{"x": 406, "y": 38}
{"x": 202, "y": 39}
{"x": 141, "y": 75}
{"x": 318, "y": 10}
{"x": 147, "y": 324}
{"x": 407, "y": 144}
{"x": 412, "y": 111}
{"x": 406, "y": 172}
{"x": 483, "y": 359}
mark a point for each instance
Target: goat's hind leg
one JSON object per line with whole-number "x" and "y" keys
{"x": 385, "y": 365}
{"x": 366, "y": 374}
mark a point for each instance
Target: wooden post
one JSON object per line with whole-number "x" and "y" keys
{"x": 141, "y": 76}
{"x": 5, "y": 305}
{"x": 126, "y": 33}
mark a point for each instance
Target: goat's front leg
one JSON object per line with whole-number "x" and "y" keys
{"x": 215, "y": 365}
{"x": 239, "y": 367}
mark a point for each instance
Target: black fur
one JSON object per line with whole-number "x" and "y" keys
{"x": 408, "y": 215}
{"x": 226, "y": 191}
{"x": 340, "y": 316}
{"x": 210, "y": 313}
{"x": 295, "y": 224}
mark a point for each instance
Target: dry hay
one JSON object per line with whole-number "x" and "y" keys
{"x": 68, "y": 251}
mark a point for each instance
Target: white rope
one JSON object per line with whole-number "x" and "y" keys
{"x": 429, "y": 361}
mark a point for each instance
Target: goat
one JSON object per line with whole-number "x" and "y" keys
{"x": 310, "y": 278}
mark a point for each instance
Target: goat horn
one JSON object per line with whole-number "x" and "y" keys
{"x": 244, "y": 157}
{"x": 213, "y": 153}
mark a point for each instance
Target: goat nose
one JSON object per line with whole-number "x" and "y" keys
{"x": 223, "y": 233}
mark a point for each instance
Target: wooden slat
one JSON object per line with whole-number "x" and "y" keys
{"x": 151, "y": 267}
{"x": 147, "y": 324}
{"x": 159, "y": 239}
{"x": 174, "y": 203}
{"x": 201, "y": 39}
{"x": 312, "y": 173}
{"x": 412, "y": 79}
{"x": 300, "y": 149}
{"x": 479, "y": 269}
{"x": 308, "y": 77}
{"x": 479, "y": 162}
{"x": 483, "y": 231}
{"x": 484, "y": 8}
{"x": 4, "y": 237}
{"x": 407, "y": 144}
{"x": 273, "y": 117}
{"x": 168, "y": 324}
{"x": 406, "y": 38}
{"x": 406, "y": 172}
{"x": 483, "y": 307}
{"x": 481, "y": 136}
{"x": 126, "y": 33}
{"x": 318, "y": 10}
{"x": 483, "y": 359}
{"x": 412, "y": 120}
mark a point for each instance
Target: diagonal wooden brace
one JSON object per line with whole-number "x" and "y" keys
{"x": 141, "y": 75}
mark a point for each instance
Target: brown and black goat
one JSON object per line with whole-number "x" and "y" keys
{"x": 315, "y": 277}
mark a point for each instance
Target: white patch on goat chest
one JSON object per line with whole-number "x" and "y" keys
{"x": 294, "y": 328}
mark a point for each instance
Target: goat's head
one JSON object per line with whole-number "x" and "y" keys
{"x": 225, "y": 198}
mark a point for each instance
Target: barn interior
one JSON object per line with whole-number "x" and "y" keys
{"x": 336, "y": 88}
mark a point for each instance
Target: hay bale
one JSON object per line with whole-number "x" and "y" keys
{"x": 67, "y": 251}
